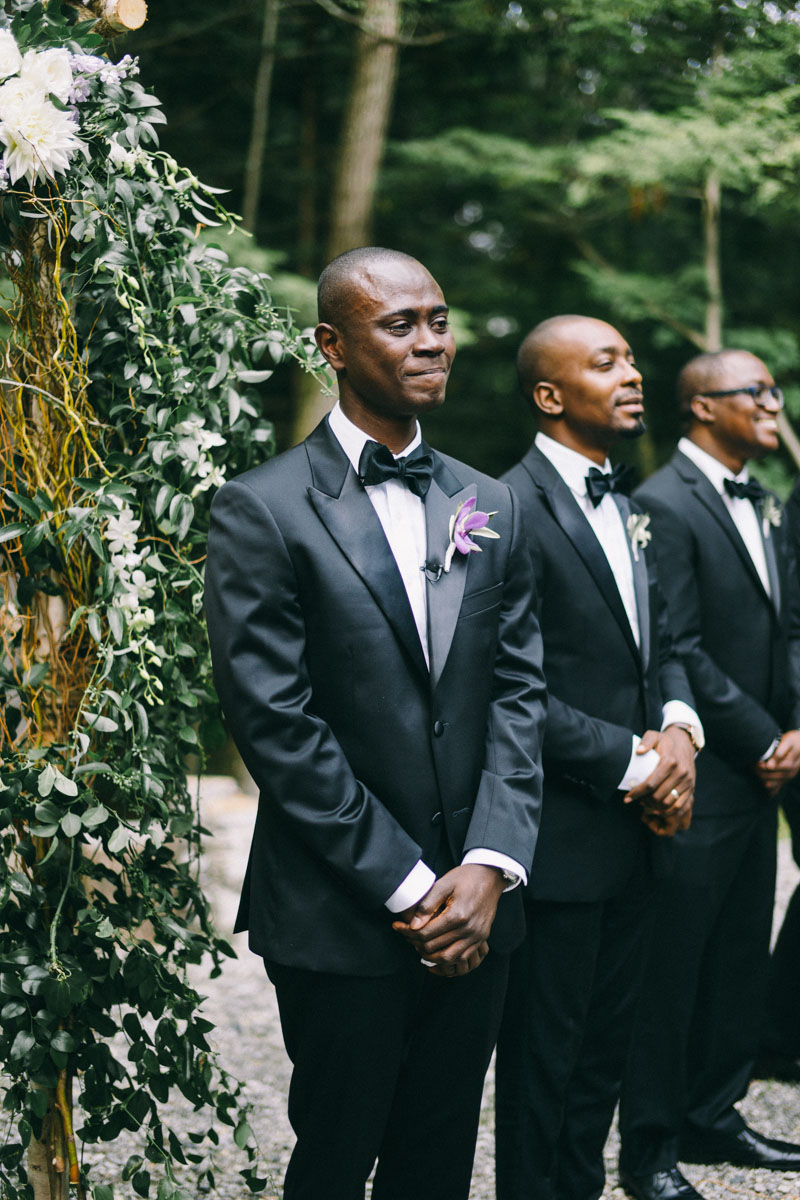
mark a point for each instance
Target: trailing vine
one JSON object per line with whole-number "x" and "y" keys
{"x": 130, "y": 386}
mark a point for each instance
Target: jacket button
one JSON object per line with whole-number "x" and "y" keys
{"x": 438, "y": 728}
{"x": 436, "y": 818}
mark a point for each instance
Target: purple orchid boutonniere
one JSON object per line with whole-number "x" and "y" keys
{"x": 465, "y": 524}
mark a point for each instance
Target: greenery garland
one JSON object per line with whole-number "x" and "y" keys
{"x": 129, "y": 389}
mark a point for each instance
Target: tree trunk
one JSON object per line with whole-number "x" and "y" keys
{"x": 711, "y": 218}
{"x": 307, "y": 164}
{"x": 361, "y": 147}
{"x": 254, "y": 163}
{"x": 364, "y": 130}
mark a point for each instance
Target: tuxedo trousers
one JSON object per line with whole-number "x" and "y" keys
{"x": 387, "y": 1068}
{"x": 699, "y": 1018}
{"x": 572, "y": 992}
{"x": 781, "y": 1034}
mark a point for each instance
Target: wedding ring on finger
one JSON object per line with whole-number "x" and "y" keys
{"x": 675, "y": 794}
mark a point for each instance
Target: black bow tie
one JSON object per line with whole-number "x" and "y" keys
{"x": 377, "y": 464}
{"x": 752, "y": 490}
{"x": 599, "y": 483}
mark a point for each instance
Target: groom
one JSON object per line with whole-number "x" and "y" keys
{"x": 383, "y": 683}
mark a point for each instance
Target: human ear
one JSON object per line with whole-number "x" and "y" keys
{"x": 547, "y": 399}
{"x": 327, "y": 339}
{"x": 702, "y": 410}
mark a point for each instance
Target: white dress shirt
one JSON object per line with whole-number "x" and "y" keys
{"x": 608, "y": 526}
{"x": 742, "y": 511}
{"x": 402, "y": 517}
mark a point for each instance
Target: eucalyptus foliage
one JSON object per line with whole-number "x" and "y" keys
{"x": 131, "y": 385}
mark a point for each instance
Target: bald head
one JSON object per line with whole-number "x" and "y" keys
{"x": 552, "y": 344}
{"x": 712, "y": 372}
{"x": 350, "y": 270}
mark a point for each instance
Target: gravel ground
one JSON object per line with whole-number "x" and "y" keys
{"x": 242, "y": 1006}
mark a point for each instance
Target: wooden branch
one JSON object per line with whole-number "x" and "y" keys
{"x": 341, "y": 14}
{"x": 112, "y": 16}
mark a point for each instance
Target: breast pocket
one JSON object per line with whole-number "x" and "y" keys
{"x": 481, "y": 601}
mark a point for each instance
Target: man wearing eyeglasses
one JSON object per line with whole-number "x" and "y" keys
{"x": 727, "y": 569}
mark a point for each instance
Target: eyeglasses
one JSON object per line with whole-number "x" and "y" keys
{"x": 759, "y": 393}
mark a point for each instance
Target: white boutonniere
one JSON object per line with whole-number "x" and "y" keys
{"x": 639, "y": 532}
{"x": 771, "y": 514}
{"x": 465, "y": 524}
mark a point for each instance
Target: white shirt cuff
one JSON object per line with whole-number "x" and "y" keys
{"x": 678, "y": 713}
{"x": 493, "y": 858}
{"x": 640, "y": 767}
{"x": 417, "y": 883}
{"x": 766, "y": 757}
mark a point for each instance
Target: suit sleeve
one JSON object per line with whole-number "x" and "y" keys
{"x": 257, "y": 636}
{"x": 731, "y": 718}
{"x": 672, "y": 678}
{"x": 507, "y": 807}
{"x": 792, "y": 602}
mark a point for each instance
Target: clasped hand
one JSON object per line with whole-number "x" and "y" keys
{"x": 667, "y": 795}
{"x": 783, "y": 764}
{"x": 450, "y": 925}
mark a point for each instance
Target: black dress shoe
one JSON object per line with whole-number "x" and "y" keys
{"x": 777, "y": 1066}
{"x": 745, "y": 1149}
{"x": 661, "y": 1185}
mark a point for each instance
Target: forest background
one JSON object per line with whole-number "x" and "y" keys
{"x": 631, "y": 160}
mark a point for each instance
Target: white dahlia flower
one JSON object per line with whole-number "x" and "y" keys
{"x": 39, "y": 138}
{"x": 49, "y": 70}
{"x": 10, "y": 57}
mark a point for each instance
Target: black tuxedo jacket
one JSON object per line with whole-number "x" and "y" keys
{"x": 741, "y": 649}
{"x": 601, "y": 689}
{"x": 365, "y": 760}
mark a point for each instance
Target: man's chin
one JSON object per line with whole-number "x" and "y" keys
{"x": 634, "y": 430}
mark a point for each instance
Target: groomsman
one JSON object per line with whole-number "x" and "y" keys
{"x": 383, "y": 683}
{"x": 779, "y": 1054}
{"x": 619, "y": 766}
{"x": 727, "y": 570}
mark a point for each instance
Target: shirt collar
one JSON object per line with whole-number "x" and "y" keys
{"x": 715, "y": 471}
{"x": 571, "y": 466}
{"x": 352, "y": 439}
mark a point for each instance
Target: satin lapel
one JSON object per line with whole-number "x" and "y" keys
{"x": 641, "y": 584}
{"x": 566, "y": 511}
{"x": 772, "y": 566}
{"x": 347, "y": 513}
{"x": 444, "y": 595}
{"x": 710, "y": 498}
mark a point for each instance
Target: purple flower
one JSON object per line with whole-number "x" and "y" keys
{"x": 464, "y": 522}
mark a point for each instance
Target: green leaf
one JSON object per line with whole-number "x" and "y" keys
{"x": 46, "y": 781}
{"x": 242, "y": 1134}
{"x": 63, "y": 1041}
{"x": 119, "y": 839}
{"x": 22, "y": 1045}
{"x": 24, "y": 504}
{"x": 94, "y": 816}
{"x": 116, "y": 624}
{"x": 71, "y": 824}
{"x": 102, "y": 1192}
{"x": 7, "y": 532}
{"x": 67, "y": 787}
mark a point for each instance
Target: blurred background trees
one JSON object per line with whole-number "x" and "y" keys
{"x": 630, "y": 159}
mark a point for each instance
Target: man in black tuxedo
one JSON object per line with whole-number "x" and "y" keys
{"x": 727, "y": 571}
{"x": 383, "y": 683}
{"x": 618, "y": 762}
{"x": 779, "y": 1054}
